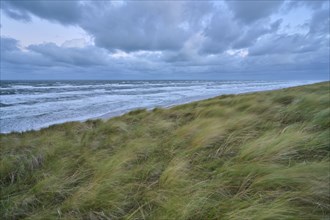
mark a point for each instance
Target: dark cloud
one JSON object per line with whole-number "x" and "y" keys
{"x": 250, "y": 11}
{"x": 145, "y": 25}
{"x": 225, "y": 33}
{"x": 250, "y": 35}
{"x": 144, "y": 39}
{"x": 128, "y": 26}
{"x": 283, "y": 44}
{"x": 320, "y": 22}
{"x": 65, "y": 12}
{"x": 220, "y": 33}
{"x": 8, "y": 44}
{"x": 15, "y": 14}
{"x": 86, "y": 56}
{"x": 12, "y": 54}
{"x": 50, "y": 54}
{"x": 55, "y": 62}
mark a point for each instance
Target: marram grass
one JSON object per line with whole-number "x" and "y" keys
{"x": 252, "y": 156}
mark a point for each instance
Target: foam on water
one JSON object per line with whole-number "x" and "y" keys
{"x": 26, "y": 105}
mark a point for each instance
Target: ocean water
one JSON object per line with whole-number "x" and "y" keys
{"x": 26, "y": 105}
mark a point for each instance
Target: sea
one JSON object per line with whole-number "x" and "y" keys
{"x": 31, "y": 105}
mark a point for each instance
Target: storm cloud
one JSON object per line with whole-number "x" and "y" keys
{"x": 173, "y": 39}
{"x": 251, "y": 11}
{"x": 65, "y": 12}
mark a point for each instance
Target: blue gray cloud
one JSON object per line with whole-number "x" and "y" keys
{"x": 172, "y": 39}
{"x": 253, "y": 10}
{"x": 65, "y": 12}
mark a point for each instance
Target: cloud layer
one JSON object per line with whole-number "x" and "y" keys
{"x": 173, "y": 40}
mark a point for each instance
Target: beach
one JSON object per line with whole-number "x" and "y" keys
{"x": 261, "y": 154}
{"x": 27, "y": 105}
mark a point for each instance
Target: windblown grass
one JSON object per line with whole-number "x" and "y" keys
{"x": 251, "y": 156}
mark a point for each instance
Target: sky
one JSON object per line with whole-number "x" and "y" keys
{"x": 151, "y": 40}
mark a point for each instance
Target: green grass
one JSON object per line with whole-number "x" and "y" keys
{"x": 252, "y": 156}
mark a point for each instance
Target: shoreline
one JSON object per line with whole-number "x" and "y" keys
{"x": 109, "y": 115}
{"x": 263, "y": 151}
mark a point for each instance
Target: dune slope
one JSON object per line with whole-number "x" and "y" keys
{"x": 252, "y": 156}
